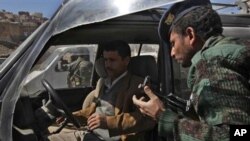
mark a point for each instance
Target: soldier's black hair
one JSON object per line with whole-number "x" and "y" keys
{"x": 203, "y": 19}
{"x": 120, "y": 46}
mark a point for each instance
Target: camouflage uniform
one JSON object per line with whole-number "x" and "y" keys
{"x": 219, "y": 80}
{"x": 79, "y": 73}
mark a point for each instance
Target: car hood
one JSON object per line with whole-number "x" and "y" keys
{"x": 75, "y": 13}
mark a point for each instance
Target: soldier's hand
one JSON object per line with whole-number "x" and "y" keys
{"x": 153, "y": 107}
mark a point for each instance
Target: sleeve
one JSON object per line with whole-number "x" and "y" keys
{"x": 212, "y": 112}
{"x": 211, "y": 105}
{"x": 129, "y": 123}
{"x": 130, "y": 120}
{"x": 185, "y": 129}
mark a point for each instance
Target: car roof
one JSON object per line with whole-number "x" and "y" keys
{"x": 74, "y": 13}
{"x": 140, "y": 27}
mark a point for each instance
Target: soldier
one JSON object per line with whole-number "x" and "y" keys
{"x": 79, "y": 67}
{"x": 218, "y": 75}
{"x": 79, "y": 72}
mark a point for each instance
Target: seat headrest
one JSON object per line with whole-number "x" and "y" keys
{"x": 100, "y": 67}
{"x": 143, "y": 66}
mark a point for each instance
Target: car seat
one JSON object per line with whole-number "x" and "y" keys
{"x": 100, "y": 67}
{"x": 146, "y": 66}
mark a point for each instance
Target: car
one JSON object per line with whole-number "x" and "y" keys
{"x": 90, "y": 23}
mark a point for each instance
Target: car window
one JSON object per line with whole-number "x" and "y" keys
{"x": 67, "y": 66}
{"x": 146, "y": 49}
{"x": 71, "y": 66}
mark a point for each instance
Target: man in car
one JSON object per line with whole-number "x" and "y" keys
{"x": 218, "y": 76}
{"x": 108, "y": 110}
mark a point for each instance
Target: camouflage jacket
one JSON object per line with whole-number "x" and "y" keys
{"x": 79, "y": 73}
{"x": 219, "y": 80}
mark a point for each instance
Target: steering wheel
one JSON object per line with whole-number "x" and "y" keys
{"x": 60, "y": 103}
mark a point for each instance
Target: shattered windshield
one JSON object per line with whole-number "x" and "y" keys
{"x": 81, "y": 12}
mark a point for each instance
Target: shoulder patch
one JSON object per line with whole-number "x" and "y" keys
{"x": 169, "y": 19}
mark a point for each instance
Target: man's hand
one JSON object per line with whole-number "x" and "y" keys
{"x": 97, "y": 121}
{"x": 153, "y": 107}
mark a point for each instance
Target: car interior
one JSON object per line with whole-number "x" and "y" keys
{"x": 128, "y": 28}
{"x": 139, "y": 29}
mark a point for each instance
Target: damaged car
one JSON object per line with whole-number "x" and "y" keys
{"x": 37, "y": 70}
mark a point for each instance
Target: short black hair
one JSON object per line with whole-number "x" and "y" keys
{"x": 204, "y": 20}
{"x": 120, "y": 46}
